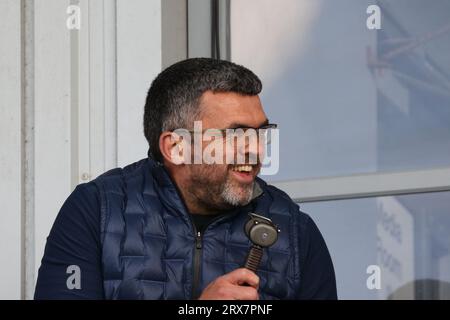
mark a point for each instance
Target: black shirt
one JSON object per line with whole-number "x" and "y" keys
{"x": 201, "y": 221}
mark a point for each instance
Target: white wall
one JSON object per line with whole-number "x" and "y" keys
{"x": 77, "y": 101}
{"x": 10, "y": 149}
{"x": 138, "y": 62}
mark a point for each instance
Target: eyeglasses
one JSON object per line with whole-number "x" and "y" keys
{"x": 263, "y": 134}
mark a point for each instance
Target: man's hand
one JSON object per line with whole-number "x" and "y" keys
{"x": 240, "y": 284}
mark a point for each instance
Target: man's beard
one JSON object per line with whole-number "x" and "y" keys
{"x": 237, "y": 195}
{"x": 214, "y": 187}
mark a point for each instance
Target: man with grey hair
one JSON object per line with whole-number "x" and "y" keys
{"x": 175, "y": 225}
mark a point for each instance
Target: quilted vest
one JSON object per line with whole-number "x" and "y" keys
{"x": 150, "y": 249}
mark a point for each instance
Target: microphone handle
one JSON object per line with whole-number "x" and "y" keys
{"x": 254, "y": 258}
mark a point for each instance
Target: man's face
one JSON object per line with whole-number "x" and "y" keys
{"x": 224, "y": 186}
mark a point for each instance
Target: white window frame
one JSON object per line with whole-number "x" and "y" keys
{"x": 367, "y": 185}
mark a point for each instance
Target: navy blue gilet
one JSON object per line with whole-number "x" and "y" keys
{"x": 150, "y": 249}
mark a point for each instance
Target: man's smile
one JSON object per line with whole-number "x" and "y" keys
{"x": 244, "y": 173}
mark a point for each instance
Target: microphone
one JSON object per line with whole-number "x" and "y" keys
{"x": 263, "y": 233}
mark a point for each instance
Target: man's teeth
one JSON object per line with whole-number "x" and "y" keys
{"x": 243, "y": 168}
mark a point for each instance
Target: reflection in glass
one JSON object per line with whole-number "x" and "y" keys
{"x": 348, "y": 99}
{"x": 408, "y": 237}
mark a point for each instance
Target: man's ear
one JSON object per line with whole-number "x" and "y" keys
{"x": 172, "y": 147}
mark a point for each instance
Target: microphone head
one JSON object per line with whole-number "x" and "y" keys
{"x": 261, "y": 230}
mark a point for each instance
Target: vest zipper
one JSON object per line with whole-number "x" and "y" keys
{"x": 197, "y": 260}
{"x": 198, "y": 254}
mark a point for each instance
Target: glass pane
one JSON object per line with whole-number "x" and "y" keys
{"x": 407, "y": 237}
{"x": 349, "y": 99}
